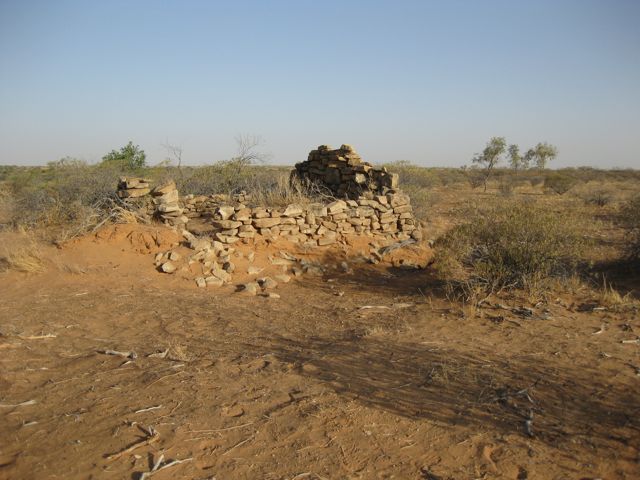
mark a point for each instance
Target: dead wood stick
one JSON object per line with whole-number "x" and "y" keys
{"x": 223, "y": 429}
{"x": 240, "y": 443}
{"x": 140, "y": 443}
{"x": 37, "y": 337}
{"x": 385, "y": 250}
{"x": 132, "y": 355}
{"x": 148, "y": 409}
{"x": 158, "y": 468}
{"x": 22, "y": 404}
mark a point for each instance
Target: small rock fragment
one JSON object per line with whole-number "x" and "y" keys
{"x": 200, "y": 281}
{"x": 251, "y": 288}
{"x": 254, "y": 270}
{"x": 267, "y": 283}
{"x": 168, "y": 267}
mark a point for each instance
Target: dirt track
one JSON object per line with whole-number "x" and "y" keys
{"x": 307, "y": 386}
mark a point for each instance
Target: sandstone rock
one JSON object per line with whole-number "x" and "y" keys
{"x": 214, "y": 281}
{"x": 336, "y": 207}
{"x": 163, "y": 189}
{"x": 226, "y": 224}
{"x": 324, "y": 241}
{"x": 266, "y": 222}
{"x": 200, "y": 282}
{"x": 282, "y": 278}
{"x": 168, "y": 267}
{"x": 199, "y": 244}
{"x": 254, "y": 270}
{"x": 169, "y": 208}
{"x": 250, "y": 288}
{"x": 134, "y": 193}
{"x": 175, "y": 256}
{"x": 229, "y": 267}
{"x": 225, "y": 211}
{"x": 267, "y": 283}
{"x": 293, "y": 211}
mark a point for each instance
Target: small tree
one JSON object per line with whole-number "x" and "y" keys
{"x": 248, "y": 152}
{"x": 490, "y": 157}
{"x": 129, "y": 157}
{"x": 541, "y": 154}
{"x": 515, "y": 159}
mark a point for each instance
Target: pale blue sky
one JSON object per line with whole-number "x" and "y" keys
{"x": 423, "y": 81}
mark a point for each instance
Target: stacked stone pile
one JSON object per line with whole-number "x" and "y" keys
{"x": 166, "y": 201}
{"x": 344, "y": 173}
{"x": 197, "y": 206}
{"x": 130, "y": 187}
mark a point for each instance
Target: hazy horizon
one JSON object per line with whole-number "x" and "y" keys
{"x": 427, "y": 82}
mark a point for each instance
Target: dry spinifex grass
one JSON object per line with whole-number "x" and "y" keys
{"x": 22, "y": 255}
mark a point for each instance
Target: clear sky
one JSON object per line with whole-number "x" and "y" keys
{"x": 423, "y": 81}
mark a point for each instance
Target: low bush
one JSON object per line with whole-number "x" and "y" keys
{"x": 559, "y": 183}
{"x": 514, "y": 245}
{"x": 600, "y": 197}
{"x": 631, "y": 222}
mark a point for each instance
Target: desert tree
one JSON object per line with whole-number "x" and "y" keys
{"x": 490, "y": 157}
{"x": 541, "y": 154}
{"x": 129, "y": 157}
{"x": 515, "y": 159}
{"x": 174, "y": 153}
{"x": 248, "y": 152}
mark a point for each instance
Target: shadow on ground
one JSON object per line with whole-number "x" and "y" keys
{"x": 484, "y": 391}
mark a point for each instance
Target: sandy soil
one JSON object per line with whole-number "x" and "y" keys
{"x": 361, "y": 375}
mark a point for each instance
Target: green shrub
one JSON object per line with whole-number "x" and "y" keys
{"x": 559, "y": 183}
{"x": 515, "y": 245}
{"x": 600, "y": 197}
{"x": 128, "y": 158}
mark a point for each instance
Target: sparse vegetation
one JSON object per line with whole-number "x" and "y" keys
{"x": 514, "y": 245}
{"x": 631, "y": 222}
{"x": 559, "y": 183}
{"x": 22, "y": 255}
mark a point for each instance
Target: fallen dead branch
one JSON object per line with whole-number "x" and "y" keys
{"x": 130, "y": 355}
{"x": 152, "y": 436}
{"x": 390, "y": 248}
{"x": 239, "y": 444}
{"x": 23, "y": 404}
{"x": 37, "y": 337}
{"x": 223, "y": 429}
{"x": 148, "y": 409}
{"x": 159, "y": 466}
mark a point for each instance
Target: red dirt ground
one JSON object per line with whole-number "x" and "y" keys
{"x": 312, "y": 385}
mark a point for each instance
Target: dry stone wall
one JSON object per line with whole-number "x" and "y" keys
{"x": 368, "y": 203}
{"x": 316, "y": 224}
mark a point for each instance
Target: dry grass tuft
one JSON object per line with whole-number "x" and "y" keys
{"x": 22, "y": 255}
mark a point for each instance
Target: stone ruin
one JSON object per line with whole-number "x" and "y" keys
{"x": 344, "y": 173}
{"x": 366, "y": 202}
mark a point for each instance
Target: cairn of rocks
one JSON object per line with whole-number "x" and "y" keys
{"x": 344, "y": 173}
{"x": 166, "y": 200}
{"x": 129, "y": 187}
